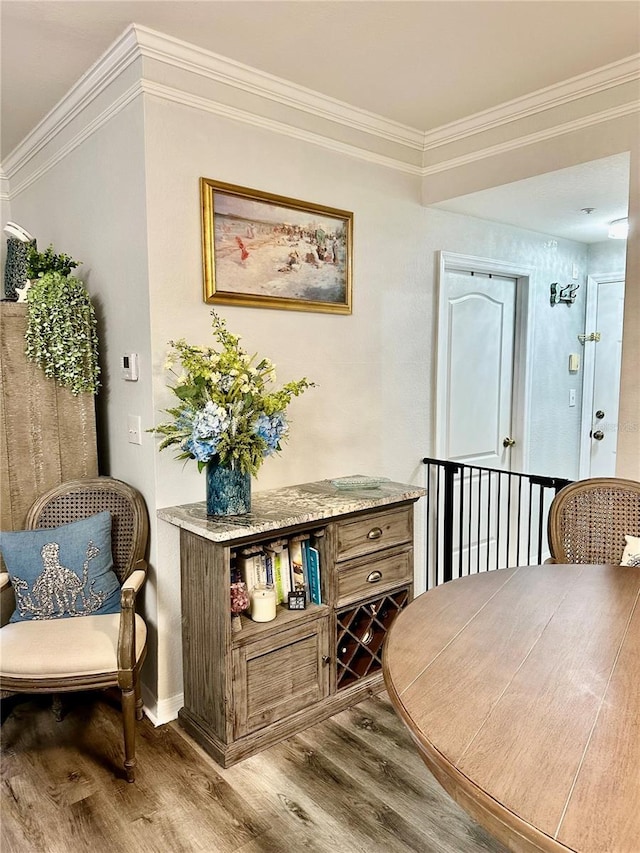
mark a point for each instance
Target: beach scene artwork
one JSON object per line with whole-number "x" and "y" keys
{"x": 276, "y": 253}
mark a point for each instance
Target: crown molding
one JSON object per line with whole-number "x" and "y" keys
{"x": 599, "y": 80}
{"x": 186, "y": 99}
{"x": 4, "y": 186}
{"x": 187, "y": 57}
{"x": 88, "y": 130}
{"x": 102, "y": 73}
{"x": 532, "y": 138}
{"x": 137, "y": 41}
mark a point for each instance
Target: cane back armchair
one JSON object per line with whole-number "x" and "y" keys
{"x": 93, "y": 651}
{"x": 588, "y": 520}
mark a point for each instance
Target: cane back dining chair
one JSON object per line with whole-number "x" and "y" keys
{"x": 92, "y": 651}
{"x": 588, "y": 520}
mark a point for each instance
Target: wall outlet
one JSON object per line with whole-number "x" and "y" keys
{"x": 572, "y": 397}
{"x": 134, "y": 429}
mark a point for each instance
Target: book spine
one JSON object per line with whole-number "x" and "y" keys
{"x": 305, "y": 566}
{"x": 260, "y": 563}
{"x": 246, "y": 568}
{"x": 313, "y": 563}
{"x": 268, "y": 565}
{"x": 295, "y": 559}
{"x": 285, "y": 571}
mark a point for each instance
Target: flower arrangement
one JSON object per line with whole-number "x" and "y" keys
{"x": 225, "y": 408}
{"x": 61, "y": 334}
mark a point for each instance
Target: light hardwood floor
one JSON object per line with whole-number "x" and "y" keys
{"x": 351, "y": 784}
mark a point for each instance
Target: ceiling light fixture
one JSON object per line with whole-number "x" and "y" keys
{"x": 619, "y": 229}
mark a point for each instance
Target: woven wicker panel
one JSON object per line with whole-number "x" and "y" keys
{"x": 76, "y": 500}
{"x": 590, "y": 520}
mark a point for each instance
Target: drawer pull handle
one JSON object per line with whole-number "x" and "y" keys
{"x": 374, "y": 533}
{"x": 374, "y": 577}
{"x": 326, "y": 659}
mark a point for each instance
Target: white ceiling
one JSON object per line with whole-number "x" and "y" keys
{"x": 553, "y": 203}
{"x": 423, "y": 63}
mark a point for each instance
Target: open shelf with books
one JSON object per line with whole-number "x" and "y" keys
{"x": 247, "y": 689}
{"x": 289, "y": 563}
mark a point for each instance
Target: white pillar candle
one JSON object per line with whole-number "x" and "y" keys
{"x": 262, "y": 603}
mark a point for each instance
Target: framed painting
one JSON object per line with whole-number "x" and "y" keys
{"x": 268, "y": 251}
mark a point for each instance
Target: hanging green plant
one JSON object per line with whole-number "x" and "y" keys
{"x": 61, "y": 334}
{"x": 40, "y": 263}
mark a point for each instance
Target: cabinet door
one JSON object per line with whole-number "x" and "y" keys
{"x": 280, "y": 674}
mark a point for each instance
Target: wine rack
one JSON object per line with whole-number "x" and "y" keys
{"x": 360, "y": 633}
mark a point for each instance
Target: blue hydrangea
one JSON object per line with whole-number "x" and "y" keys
{"x": 271, "y": 429}
{"x": 207, "y": 426}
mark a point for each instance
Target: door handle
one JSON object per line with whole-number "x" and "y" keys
{"x": 597, "y": 434}
{"x": 508, "y": 442}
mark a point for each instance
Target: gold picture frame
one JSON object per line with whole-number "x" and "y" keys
{"x": 269, "y": 251}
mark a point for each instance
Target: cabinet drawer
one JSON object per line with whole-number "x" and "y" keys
{"x": 280, "y": 674}
{"x": 366, "y": 578}
{"x": 373, "y": 532}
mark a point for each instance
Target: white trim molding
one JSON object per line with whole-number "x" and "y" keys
{"x": 533, "y": 138}
{"x": 161, "y": 711}
{"x": 410, "y": 145}
{"x": 205, "y": 63}
{"x": 167, "y": 93}
{"x": 607, "y": 77}
{"x": 4, "y": 186}
{"x": 108, "y": 68}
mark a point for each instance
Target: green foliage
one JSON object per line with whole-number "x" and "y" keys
{"x": 39, "y": 263}
{"x": 61, "y": 334}
{"x": 225, "y": 408}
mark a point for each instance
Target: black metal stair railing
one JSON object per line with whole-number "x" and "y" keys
{"x": 479, "y": 519}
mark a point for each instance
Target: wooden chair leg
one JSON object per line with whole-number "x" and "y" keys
{"x": 129, "y": 726}
{"x": 139, "y": 702}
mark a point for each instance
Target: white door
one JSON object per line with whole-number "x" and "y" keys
{"x": 477, "y": 361}
{"x": 475, "y": 425}
{"x": 604, "y": 317}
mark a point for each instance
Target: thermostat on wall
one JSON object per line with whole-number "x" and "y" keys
{"x": 130, "y": 366}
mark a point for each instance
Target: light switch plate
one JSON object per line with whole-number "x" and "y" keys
{"x": 134, "y": 429}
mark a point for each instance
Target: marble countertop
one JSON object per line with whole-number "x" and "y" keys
{"x": 287, "y": 507}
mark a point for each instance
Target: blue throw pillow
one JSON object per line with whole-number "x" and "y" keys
{"x": 62, "y": 571}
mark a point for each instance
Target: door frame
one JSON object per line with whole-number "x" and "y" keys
{"x": 522, "y": 363}
{"x": 589, "y": 365}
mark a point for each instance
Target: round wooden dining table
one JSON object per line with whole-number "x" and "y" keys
{"x": 521, "y": 690}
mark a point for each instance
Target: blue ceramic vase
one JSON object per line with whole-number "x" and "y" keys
{"x": 228, "y": 489}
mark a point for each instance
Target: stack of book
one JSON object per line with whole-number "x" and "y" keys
{"x": 288, "y": 564}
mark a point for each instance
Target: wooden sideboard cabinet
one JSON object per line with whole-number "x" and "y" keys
{"x": 246, "y": 690}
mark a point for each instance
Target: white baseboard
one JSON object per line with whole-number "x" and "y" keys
{"x": 162, "y": 711}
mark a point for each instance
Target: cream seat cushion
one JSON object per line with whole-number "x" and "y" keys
{"x": 58, "y": 648}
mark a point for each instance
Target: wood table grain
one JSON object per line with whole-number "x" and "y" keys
{"x": 521, "y": 690}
